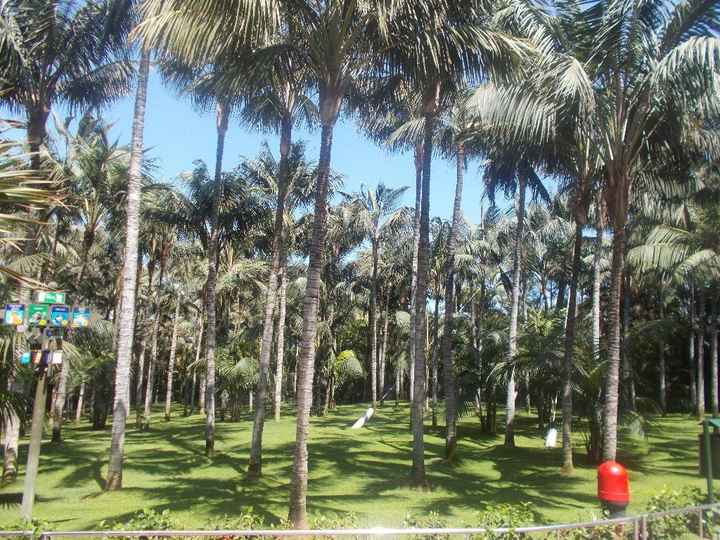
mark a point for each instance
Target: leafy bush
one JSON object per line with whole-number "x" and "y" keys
{"x": 34, "y": 526}
{"x": 144, "y": 520}
{"x": 335, "y": 521}
{"x": 505, "y": 516}
{"x": 429, "y": 521}
{"x": 677, "y": 525}
{"x": 246, "y": 520}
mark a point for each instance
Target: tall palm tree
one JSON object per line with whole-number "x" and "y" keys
{"x": 279, "y": 104}
{"x": 206, "y": 40}
{"x": 126, "y": 320}
{"x": 456, "y": 129}
{"x": 439, "y": 46}
{"x": 514, "y": 174}
{"x": 293, "y": 175}
{"x": 374, "y": 214}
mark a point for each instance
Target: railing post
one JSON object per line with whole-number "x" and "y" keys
{"x": 636, "y": 530}
{"x": 643, "y": 527}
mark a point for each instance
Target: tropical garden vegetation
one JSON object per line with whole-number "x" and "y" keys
{"x": 587, "y": 290}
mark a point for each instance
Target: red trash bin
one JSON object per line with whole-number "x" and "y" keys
{"x": 613, "y": 487}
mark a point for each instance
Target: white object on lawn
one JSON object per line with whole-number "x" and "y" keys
{"x": 360, "y": 422}
{"x": 551, "y": 438}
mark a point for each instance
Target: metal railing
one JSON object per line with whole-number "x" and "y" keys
{"x": 699, "y": 522}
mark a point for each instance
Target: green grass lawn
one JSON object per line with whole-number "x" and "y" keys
{"x": 363, "y": 471}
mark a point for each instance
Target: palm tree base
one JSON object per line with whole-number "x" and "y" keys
{"x": 114, "y": 481}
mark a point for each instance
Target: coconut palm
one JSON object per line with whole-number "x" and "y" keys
{"x": 269, "y": 175}
{"x": 40, "y": 69}
{"x": 126, "y": 319}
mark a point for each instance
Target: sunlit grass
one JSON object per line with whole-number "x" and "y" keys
{"x": 363, "y": 471}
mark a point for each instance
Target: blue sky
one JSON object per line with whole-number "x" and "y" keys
{"x": 176, "y": 134}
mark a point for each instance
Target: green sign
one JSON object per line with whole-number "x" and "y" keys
{"x": 48, "y": 297}
{"x": 38, "y": 315}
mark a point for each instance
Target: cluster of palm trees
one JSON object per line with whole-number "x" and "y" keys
{"x": 615, "y": 102}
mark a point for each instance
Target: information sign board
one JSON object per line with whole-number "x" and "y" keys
{"x": 38, "y": 314}
{"x": 81, "y": 317}
{"x": 14, "y": 314}
{"x": 59, "y": 315}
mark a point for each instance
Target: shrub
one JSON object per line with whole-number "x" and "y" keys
{"x": 505, "y": 516}
{"x": 144, "y": 520}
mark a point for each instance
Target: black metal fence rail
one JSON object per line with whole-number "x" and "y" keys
{"x": 699, "y": 522}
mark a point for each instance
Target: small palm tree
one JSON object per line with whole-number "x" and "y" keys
{"x": 374, "y": 215}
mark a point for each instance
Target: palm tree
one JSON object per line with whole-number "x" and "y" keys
{"x": 126, "y": 320}
{"x": 280, "y": 104}
{"x": 171, "y": 360}
{"x": 439, "y": 46}
{"x": 513, "y": 174}
{"x": 374, "y": 214}
{"x": 40, "y": 70}
{"x": 293, "y": 175}
{"x": 688, "y": 245}
{"x": 455, "y": 130}
{"x": 644, "y": 99}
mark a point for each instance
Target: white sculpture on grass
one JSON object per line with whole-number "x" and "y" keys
{"x": 360, "y": 422}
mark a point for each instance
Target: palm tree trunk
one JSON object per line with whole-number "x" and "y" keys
{"x": 36, "y": 132}
{"x": 10, "y": 451}
{"x": 612, "y": 383}
{"x": 58, "y": 403}
{"x": 372, "y": 320}
{"x": 150, "y": 386}
{"x": 416, "y": 246}
{"x": 33, "y": 460}
{"x": 171, "y": 361}
{"x": 139, "y": 386}
{"x": 126, "y": 322}
{"x": 198, "y": 352}
{"x": 255, "y": 465}
{"x": 567, "y": 404}
{"x": 701, "y": 354}
{"x": 305, "y": 367}
{"x": 280, "y": 347}
{"x": 202, "y": 394}
{"x": 80, "y": 403}
{"x": 662, "y": 386}
{"x": 222, "y": 123}
{"x": 514, "y": 308}
{"x": 628, "y": 380}
{"x": 449, "y": 311}
{"x": 418, "y": 401}
{"x": 383, "y": 346}
{"x": 434, "y": 361}
{"x": 691, "y": 349}
{"x": 714, "y": 358}
{"x": 597, "y": 283}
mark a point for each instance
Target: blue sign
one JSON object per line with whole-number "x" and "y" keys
{"x": 81, "y": 317}
{"x": 14, "y": 314}
{"x": 25, "y": 358}
{"x": 59, "y": 315}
